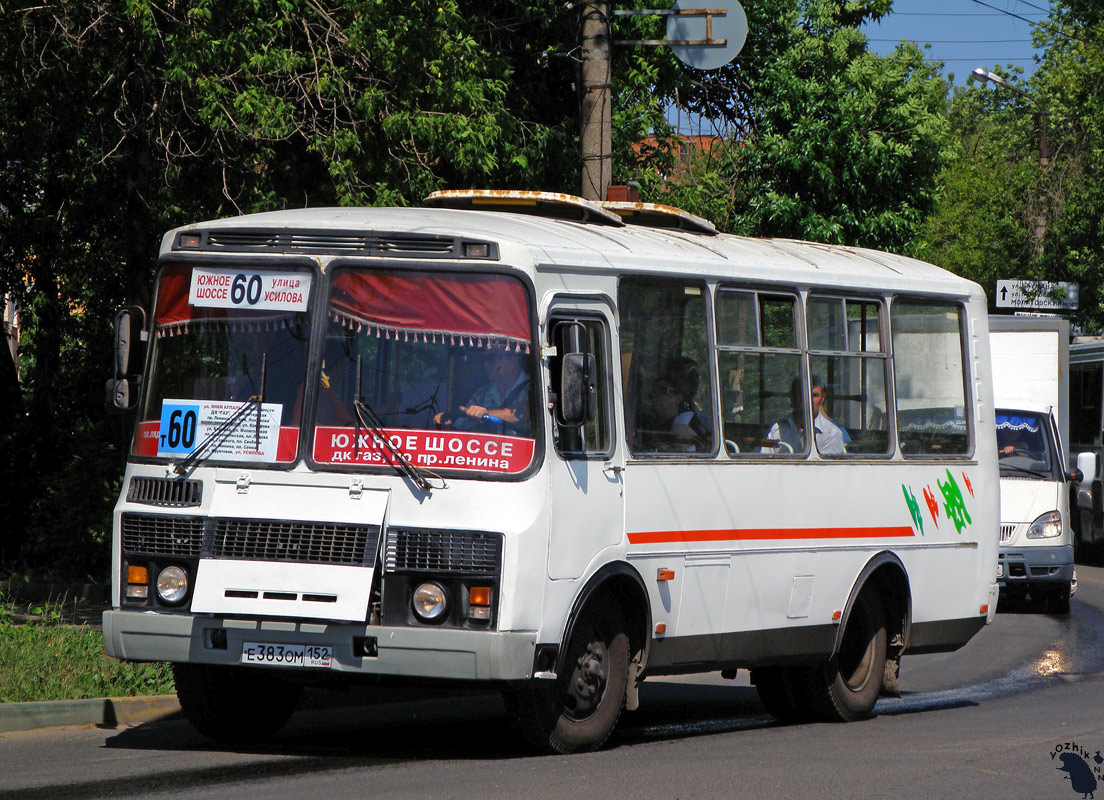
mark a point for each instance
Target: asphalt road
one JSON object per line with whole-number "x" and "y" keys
{"x": 984, "y": 722}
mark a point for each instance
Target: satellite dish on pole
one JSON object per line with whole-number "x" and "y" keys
{"x": 707, "y": 34}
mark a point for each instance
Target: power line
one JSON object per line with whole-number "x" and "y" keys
{"x": 948, "y": 14}
{"x": 1032, "y": 5}
{"x": 954, "y": 41}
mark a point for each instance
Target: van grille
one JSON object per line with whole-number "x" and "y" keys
{"x": 1007, "y": 532}
{"x": 303, "y": 542}
{"x": 442, "y": 551}
{"x": 168, "y": 492}
{"x": 169, "y": 536}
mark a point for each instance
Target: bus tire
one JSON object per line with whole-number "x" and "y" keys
{"x": 782, "y": 692}
{"x": 234, "y": 705}
{"x": 580, "y": 710}
{"x": 847, "y": 686}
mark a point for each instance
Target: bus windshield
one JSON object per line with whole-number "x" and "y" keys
{"x": 436, "y": 363}
{"x": 229, "y": 364}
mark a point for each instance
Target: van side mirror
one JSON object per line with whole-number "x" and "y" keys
{"x": 1083, "y": 478}
{"x": 1085, "y": 470}
{"x": 127, "y": 358}
{"x": 578, "y": 389}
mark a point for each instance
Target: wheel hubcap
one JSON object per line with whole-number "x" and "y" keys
{"x": 589, "y": 679}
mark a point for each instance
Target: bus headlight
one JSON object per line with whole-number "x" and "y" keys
{"x": 172, "y": 585}
{"x": 430, "y": 602}
{"x": 1046, "y": 526}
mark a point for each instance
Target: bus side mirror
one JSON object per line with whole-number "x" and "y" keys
{"x": 129, "y": 351}
{"x": 578, "y": 390}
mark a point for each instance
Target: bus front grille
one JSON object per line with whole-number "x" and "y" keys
{"x": 1006, "y": 533}
{"x": 162, "y": 535}
{"x": 303, "y": 542}
{"x": 442, "y": 551}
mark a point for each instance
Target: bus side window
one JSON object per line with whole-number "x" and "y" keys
{"x": 929, "y": 376}
{"x": 846, "y": 353}
{"x": 759, "y": 362}
{"x": 665, "y": 360}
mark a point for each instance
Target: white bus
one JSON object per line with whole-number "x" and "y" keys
{"x": 531, "y": 442}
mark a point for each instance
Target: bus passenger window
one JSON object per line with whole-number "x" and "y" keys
{"x": 759, "y": 364}
{"x": 930, "y": 379}
{"x": 846, "y": 353}
{"x": 668, "y": 396}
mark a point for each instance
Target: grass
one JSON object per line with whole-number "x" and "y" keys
{"x": 43, "y": 658}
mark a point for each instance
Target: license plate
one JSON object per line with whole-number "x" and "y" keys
{"x": 1000, "y": 570}
{"x": 287, "y": 655}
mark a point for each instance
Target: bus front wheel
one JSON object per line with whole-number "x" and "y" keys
{"x": 234, "y": 704}
{"x": 579, "y": 712}
{"x": 846, "y": 688}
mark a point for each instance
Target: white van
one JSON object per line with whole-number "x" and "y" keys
{"x": 1030, "y": 388}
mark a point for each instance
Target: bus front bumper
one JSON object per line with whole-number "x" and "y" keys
{"x": 440, "y": 653}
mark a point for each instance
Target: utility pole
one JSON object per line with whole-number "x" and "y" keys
{"x": 596, "y": 136}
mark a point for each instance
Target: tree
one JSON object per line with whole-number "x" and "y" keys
{"x": 832, "y": 143}
{"x": 1003, "y": 212}
{"x": 122, "y": 118}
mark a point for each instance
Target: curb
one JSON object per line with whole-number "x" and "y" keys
{"x": 110, "y": 712}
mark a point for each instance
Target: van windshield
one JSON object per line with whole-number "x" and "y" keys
{"x": 1024, "y": 445}
{"x": 438, "y": 363}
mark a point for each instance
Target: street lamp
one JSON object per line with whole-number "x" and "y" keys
{"x": 992, "y": 77}
{"x": 1044, "y": 151}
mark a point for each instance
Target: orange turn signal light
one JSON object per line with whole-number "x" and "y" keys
{"x": 137, "y": 575}
{"x": 479, "y": 596}
{"x": 665, "y": 575}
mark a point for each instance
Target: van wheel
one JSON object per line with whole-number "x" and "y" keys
{"x": 579, "y": 711}
{"x": 846, "y": 688}
{"x": 234, "y": 705}
{"x": 1058, "y": 601}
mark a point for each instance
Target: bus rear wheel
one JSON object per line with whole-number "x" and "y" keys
{"x": 234, "y": 705}
{"x": 580, "y": 711}
{"x": 847, "y": 686}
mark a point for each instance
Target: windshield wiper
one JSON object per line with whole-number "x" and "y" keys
{"x": 215, "y": 438}
{"x": 367, "y": 417}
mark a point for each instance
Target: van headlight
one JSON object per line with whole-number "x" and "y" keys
{"x": 1046, "y": 526}
{"x": 172, "y": 585}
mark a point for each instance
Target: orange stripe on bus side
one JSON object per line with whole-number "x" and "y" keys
{"x": 769, "y": 534}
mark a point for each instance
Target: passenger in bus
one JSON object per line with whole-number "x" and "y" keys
{"x": 830, "y": 438}
{"x": 674, "y": 410}
{"x": 501, "y": 405}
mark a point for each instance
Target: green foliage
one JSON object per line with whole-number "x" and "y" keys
{"x": 835, "y": 143}
{"x": 45, "y": 659}
{"x": 1003, "y": 213}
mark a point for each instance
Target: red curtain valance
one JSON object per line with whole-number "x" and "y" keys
{"x": 479, "y": 310}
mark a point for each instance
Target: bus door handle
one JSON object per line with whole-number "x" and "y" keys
{"x": 614, "y": 471}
